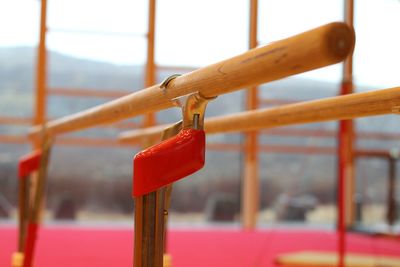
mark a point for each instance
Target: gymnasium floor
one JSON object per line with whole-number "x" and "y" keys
{"x": 66, "y": 246}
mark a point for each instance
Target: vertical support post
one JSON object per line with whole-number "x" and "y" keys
{"x": 346, "y": 183}
{"x": 141, "y": 253}
{"x": 151, "y": 213}
{"x": 26, "y": 165}
{"x": 149, "y": 229}
{"x": 35, "y": 212}
{"x": 167, "y": 259}
{"x": 40, "y": 111}
{"x": 179, "y": 156}
{"x": 150, "y": 78}
{"x": 23, "y": 200}
{"x": 41, "y": 69}
{"x": 250, "y": 189}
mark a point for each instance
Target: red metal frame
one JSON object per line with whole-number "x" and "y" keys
{"x": 345, "y": 152}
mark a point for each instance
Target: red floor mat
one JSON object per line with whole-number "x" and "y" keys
{"x": 94, "y": 247}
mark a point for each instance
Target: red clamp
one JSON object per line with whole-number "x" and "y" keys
{"x": 29, "y": 163}
{"x": 176, "y": 157}
{"x": 168, "y": 161}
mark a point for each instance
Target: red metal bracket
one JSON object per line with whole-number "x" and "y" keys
{"x": 29, "y": 163}
{"x": 168, "y": 161}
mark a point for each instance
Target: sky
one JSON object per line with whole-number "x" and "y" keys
{"x": 201, "y": 32}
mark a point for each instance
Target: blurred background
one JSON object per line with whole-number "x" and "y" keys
{"x": 98, "y": 50}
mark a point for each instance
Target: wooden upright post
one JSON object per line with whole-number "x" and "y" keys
{"x": 141, "y": 253}
{"x": 41, "y": 69}
{"x": 40, "y": 111}
{"x": 150, "y": 78}
{"x": 345, "y": 203}
{"x": 250, "y": 189}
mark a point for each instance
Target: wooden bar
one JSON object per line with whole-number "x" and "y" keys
{"x": 250, "y": 186}
{"x": 373, "y": 103}
{"x": 314, "y": 49}
{"x": 366, "y": 104}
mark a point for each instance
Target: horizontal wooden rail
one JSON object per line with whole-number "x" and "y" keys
{"x": 69, "y": 141}
{"x": 15, "y": 120}
{"x": 19, "y": 121}
{"x": 218, "y": 147}
{"x": 324, "y": 133}
{"x": 77, "y": 92}
{"x": 335, "y": 108}
{"x": 310, "y": 50}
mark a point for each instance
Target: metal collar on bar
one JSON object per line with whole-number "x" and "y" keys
{"x": 193, "y": 106}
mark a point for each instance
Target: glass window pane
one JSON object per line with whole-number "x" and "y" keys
{"x": 377, "y": 55}
{"x": 19, "y": 33}
{"x": 9, "y": 154}
{"x": 297, "y": 188}
{"x": 205, "y": 33}
{"x": 96, "y": 188}
{"x": 279, "y": 19}
{"x": 371, "y": 190}
{"x": 67, "y": 71}
{"x": 113, "y": 49}
{"x": 20, "y": 22}
{"x": 117, "y": 16}
{"x": 210, "y": 195}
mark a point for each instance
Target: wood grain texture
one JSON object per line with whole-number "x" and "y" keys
{"x": 380, "y": 102}
{"x": 323, "y": 46}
